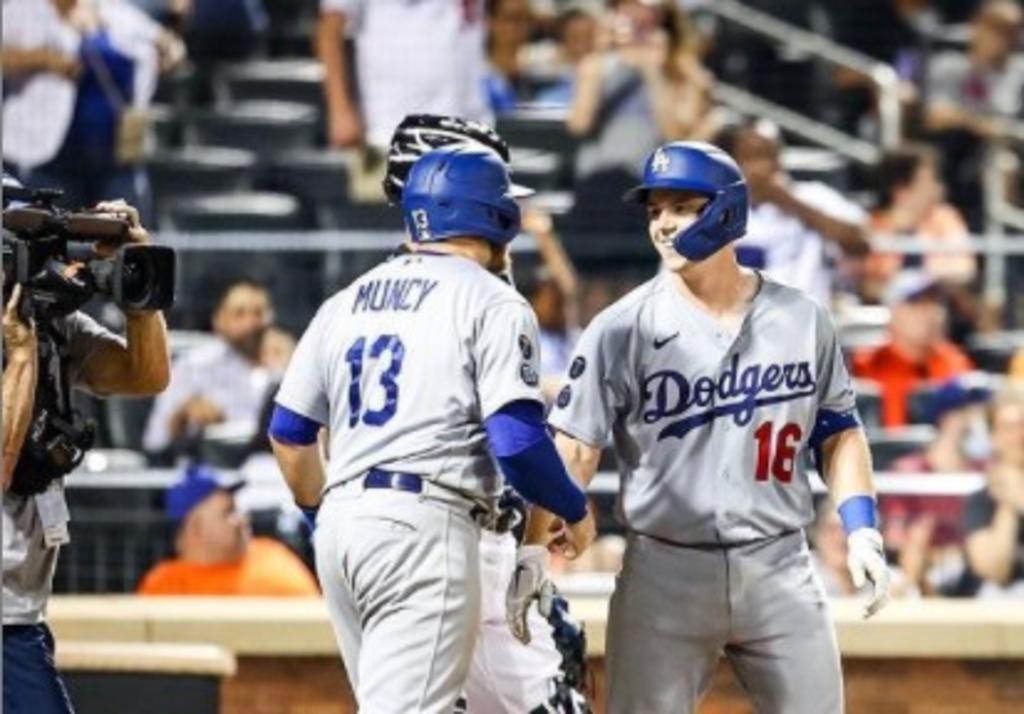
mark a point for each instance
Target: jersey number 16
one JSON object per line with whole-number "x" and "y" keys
{"x": 784, "y": 458}
{"x": 391, "y": 345}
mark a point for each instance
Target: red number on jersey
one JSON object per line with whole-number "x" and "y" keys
{"x": 784, "y": 462}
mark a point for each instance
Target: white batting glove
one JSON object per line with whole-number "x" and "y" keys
{"x": 867, "y": 563}
{"x": 529, "y": 582}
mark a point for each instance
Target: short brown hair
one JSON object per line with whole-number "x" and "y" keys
{"x": 897, "y": 168}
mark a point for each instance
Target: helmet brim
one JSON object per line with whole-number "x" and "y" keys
{"x": 517, "y": 191}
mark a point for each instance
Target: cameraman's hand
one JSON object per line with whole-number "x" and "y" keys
{"x": 19, "y": 334}
{"x": 121, "y": 210}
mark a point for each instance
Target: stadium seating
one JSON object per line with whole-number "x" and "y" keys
{"x": 199, "y": 171}
{"x": 285, "y": 80}
{"x": 888, "y": 445}
{"x": 255, "y": 211}
{"x": 264, "y": 126}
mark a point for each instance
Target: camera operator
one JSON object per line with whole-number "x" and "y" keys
{"x": 35, "y": 513}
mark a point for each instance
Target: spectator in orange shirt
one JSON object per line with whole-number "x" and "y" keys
{"x": 217, "y": 554}
{"x": 913, "y": 205}
{"x": 917, "y": 351}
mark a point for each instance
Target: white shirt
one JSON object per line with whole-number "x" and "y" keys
{"x": 794, "y": 253}
{"x": 38, "y": 108}
{"x": 216, "y": 372}
{"x": 422, "y": 56}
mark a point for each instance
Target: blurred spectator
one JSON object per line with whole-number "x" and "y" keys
{"x": 216, "y": 553}
{"x": 509, "y": 25}
{"x": 226, "y": 381}
{"x": 554, "y": 296}
{"x": 971, "y": 96}
{"x": 576, "y": 30}
{"x": 994, "y": 517}
{"x": 889, "y": 31}
{"x": 1016, "y": 371}
{"x": 644, "y": 84}
{"x": 795, "y": 227}
{"x": 830, "y": 552}
{"x": 79, "y": 76}
{"x": 912, "y": 203}
{"x": 422, "y": 57}
{"x": 916, "y": 352}
{"x": 957, "y": 408}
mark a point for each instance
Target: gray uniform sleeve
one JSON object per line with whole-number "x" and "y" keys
{"x": 835, "y": 390}
{"x": 596, "y": 387}
{"x": 84, "y": 336}
{"x": 304, "y": 389}
{"x": 506, "y": 356}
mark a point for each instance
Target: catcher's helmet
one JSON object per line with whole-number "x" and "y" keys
{"x": 461, "y": 191}
{"x": 419, "y": 133}
{"x": 704, "y": 169}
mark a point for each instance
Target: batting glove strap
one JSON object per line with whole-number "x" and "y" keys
{"x": 866, "y": 561}
{"x": 529, "y": 582}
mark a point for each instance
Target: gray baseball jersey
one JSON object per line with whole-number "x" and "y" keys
{"x": 406, "y": 363}
{"x": 709, "y": 427}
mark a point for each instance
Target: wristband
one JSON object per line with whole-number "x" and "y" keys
{"x": 858, "y": 512}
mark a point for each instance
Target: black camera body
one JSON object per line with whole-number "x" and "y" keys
{"x": 50, "y": 253}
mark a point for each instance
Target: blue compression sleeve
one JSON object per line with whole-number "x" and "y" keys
{"x": 527, "y": 456}
{"x": 289, "y": 427}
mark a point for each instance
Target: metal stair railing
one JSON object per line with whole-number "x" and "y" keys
{"x": 884, "y": 77}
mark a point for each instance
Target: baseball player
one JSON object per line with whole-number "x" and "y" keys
{"x": 424, "y": 371}
{"x": 714, "y": 381}
{"x": 506, "y": 675}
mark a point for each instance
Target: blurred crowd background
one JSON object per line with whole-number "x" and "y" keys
{"x": 881, "y": 140}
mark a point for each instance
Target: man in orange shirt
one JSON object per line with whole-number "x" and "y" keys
{"x": 217, "y": 554}
{"x": 917, "y": 351}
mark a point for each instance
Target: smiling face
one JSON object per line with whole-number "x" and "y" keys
{"x": 668, "y": 213}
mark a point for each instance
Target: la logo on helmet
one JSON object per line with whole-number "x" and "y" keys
{"x": 661, "y": 162}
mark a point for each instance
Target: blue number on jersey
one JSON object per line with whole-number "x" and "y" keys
{"x": 385, "y": 343}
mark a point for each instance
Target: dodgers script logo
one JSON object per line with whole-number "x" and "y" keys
{"x": 734, "y": 393}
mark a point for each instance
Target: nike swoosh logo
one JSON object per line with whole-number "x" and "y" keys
{"x": 658, "y": 344}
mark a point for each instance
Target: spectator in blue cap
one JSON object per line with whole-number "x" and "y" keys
{"x": 957, "y": 409}
{"x": 216, "y": 553}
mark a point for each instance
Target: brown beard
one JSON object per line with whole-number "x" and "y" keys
{"x": 249, "y": 345}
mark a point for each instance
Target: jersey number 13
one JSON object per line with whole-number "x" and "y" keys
{"x": 385, "y": 344}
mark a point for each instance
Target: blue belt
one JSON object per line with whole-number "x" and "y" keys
{"x": 379, "y": 478}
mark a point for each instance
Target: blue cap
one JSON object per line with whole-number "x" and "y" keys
{"x": 195, "y": 486}
{"x": 959, "y": 392}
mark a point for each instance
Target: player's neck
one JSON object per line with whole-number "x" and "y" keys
{"x": 470, "y": 248}
{"x": 717, "y": 283}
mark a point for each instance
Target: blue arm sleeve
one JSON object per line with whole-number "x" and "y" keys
{"x": 527, "y": 457}
{"x": 289, "y": 427}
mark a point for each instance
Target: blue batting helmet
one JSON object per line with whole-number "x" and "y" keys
{"x": 461, "y": 191}
{"x": 704, "y": 169}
